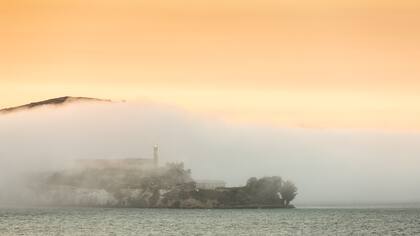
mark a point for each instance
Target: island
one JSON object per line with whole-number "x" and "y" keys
{"x": 142, "y": 183}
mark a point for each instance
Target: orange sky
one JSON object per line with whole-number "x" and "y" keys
{"x": 319, "y": 63}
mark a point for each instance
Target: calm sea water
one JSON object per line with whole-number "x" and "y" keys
{"x": 97, "y": 221}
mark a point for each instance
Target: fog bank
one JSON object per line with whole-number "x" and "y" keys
{"x": 326, "y": 165}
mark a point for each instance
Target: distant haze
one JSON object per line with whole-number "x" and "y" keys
{"x": 327, "y": 165}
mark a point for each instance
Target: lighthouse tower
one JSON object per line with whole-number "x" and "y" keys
{"x": 156, "y": 156}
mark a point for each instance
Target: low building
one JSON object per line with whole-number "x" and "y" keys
{"x": 121, "y": 164}
{"x": 210, "y": 184}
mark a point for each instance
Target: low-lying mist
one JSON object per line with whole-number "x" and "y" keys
{"x": 336, "y": 166}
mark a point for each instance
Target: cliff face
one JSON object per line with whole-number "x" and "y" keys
{"x": 166, "y": 187}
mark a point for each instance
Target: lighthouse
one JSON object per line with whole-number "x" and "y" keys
{"x": 156, "y": 156}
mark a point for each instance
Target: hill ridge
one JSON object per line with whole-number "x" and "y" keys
{"x": 52, "y": 101}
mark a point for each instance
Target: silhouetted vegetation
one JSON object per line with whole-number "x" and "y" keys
{"x": 288, "y": 192}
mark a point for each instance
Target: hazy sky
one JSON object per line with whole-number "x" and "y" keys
{"x": 329, "y": 64}
{"x": 349, "y": 70}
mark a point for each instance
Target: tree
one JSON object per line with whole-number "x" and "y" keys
{"x": 252, "y": 183}
{"x": 288, "y": 192}
{"x": 175, "y": 174}
{"x": 264, "y": 190}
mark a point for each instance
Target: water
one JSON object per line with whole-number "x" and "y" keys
{"x": 101, "y": 221}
